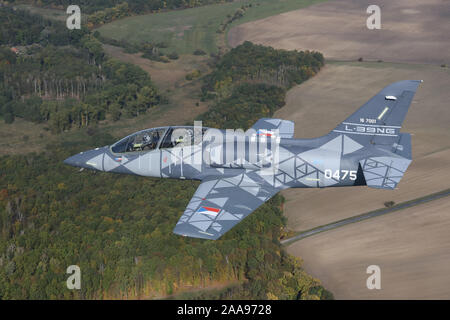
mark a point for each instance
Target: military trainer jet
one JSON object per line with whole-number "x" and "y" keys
{"x": 239, "y": 171}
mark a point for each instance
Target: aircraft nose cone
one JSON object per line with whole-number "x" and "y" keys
{"x": 91, "y": 159}
{"x": 74, "y": 161}
{"x": 78, "y": 160}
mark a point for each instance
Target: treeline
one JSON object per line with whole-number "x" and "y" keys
{"x": 68, "y": 85}
{"x": 104, "y": 11}
{"x": 150, "y": 50}
{"x": 250, "y": 81}
{"x": 118, "y": 229}
{"x": 135, "y": 6}
{"x": 244, "y": 106}
{"x": 60, "y": 87}
{"x": 49, "y": 72}
{"x": 239, "y": 13}
{"x": 260, "y": 64}
{"x": 109, "y": 14}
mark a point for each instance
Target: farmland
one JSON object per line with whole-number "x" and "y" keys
{"x": 410, "y": 245}
{"x": 185, "y": 31}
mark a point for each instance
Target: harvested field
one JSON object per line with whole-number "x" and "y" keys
{"x": 337, "y": 91}
{"x": 411, "y": 31}
{"x": 411, "y": 247}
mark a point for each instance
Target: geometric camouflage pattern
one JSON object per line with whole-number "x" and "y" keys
{"x": 384, "y": 172}
{"x": 365, "y": 149}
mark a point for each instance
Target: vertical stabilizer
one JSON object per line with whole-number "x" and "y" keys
{"x": 379, "y": 120}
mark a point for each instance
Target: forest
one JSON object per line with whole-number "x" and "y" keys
{"x": 118, "y": 228}
{"x": 252, "y": 63}
{"x": 20, "y": 27}
{"x": 66, "y": 85}
{"x": 246, "y": 104}
{"x": 250, "y": 81}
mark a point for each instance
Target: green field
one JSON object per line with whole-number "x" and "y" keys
{"x": 187, "y": 30}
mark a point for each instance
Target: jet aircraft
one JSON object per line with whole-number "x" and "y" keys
{"x": 239, "y": 171}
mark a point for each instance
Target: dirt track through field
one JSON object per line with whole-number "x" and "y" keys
{"x": 184, "y": 96}
{"x": 364, "y": 216}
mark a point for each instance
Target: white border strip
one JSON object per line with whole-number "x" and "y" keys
{"x": 370, "y": 125}
{"x": 209, "y": 234}
{"x": 367, "y": 134}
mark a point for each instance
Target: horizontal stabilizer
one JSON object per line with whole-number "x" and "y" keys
{"x": 384, "y": 172}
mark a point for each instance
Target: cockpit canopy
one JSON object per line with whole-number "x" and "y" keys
{"x": 163, "y": 137}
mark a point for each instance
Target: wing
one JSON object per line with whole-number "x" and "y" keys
{"x": 285, "y": 127}
{"x": 221, "y": 203}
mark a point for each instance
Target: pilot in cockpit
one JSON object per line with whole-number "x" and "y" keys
{"x": 146, "y": 141}
{"x": 146, "y": 138}
{"x": 155, "y": 140}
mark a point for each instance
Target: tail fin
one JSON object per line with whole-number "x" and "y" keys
{"x": 403, "y": 146}
{"x": 379, "y": 120}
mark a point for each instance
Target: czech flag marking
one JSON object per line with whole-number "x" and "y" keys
{"x": 208, "y": 210}
{"x": 118, "y": 159}
{"x": 266, "y": 133}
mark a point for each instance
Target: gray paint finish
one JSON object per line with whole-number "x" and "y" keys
{"x": 366, "y": 149}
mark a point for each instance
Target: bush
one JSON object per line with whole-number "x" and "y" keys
{"x": 130, "y": 49}
{"x": 173, "y": 56}
{"x": 199, "y": 52}
{"x": 9, "y": 118}
{"x": 162, "y": 44}
{"x": 389, "y": 204}
{"x": 155, "y": 57}
{"x": 194, "y": 74}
